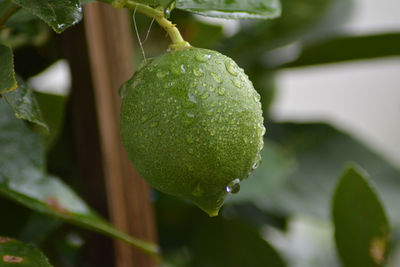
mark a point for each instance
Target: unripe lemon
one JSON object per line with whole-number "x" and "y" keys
{"x": 192, "y": 125}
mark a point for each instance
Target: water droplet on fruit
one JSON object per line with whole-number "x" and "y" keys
{"x": 221, "y": 91}
{"x": 162, "y": 73}
{"x": 198, "y": 72}
{"x": 204, "y": 96}
{"x": 233, "y": 187}
{"x": 255, "y": 165}
{"x": 202, "y": 57}
{"x": 175, "y": 70}
{"x": 231, "y": 69}
{"x": 216, "y": 77}
{"x": 183, "y": 69}
{"x": 257, "y": 97}
{"x": 237, "y": 83}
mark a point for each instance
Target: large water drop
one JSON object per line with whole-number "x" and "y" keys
{"x": 233, "y": 187}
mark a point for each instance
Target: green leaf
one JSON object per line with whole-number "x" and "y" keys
{"x": 233, "y": 9}
{"x": 347, "y": 48}
{"x": 361, "y": 225}
{"x": 59, "y": 14}
{"x": 7, "y": 75}
{"x": 273, "y": 171}
{"x": 322, "y": 151}
{"x": 23, "y": 179}
{"x": 25, "y": 106}
{"x": 16, "y": 253}
{"x": 231, "y": 243}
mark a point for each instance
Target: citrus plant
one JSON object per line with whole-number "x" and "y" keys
{"x": 192, "y": 124}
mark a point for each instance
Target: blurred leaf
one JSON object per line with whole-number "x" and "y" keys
{"x": 7, "y": 75}
{"x": 25, "y": 29}
{"x": 188, "y": 238}
{"x": 52, "y": 108}
{"x": 22, "y": 179}
{"x": 349, "y": 48}
{"x": 299, "y": 19}
{"x": 25, "y": 106}
{"x": 264, "y": 83}
{"x": 7, "y": 10}
{"x": 231, "y": 243}
{"x": 16, "y": 217}
{"x": 233, "y": 9}
{"x": 322, "y": 152}
{"x": 16, "y": 253}
{"x": 361, "y": 226}
{"x": 37, "y": 227}
{"x": 273, "y": 171}
{"x": 59, "y": 14}
{"x": 199, "y": 33}
{"x": 3, "y": 7}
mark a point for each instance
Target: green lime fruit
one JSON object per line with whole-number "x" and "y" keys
{"x": 192, "y": 125}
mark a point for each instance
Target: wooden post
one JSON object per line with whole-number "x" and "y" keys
{"x": 109, "y": 41}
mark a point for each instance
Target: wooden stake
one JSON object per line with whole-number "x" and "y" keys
{"x": 109, "y": 38}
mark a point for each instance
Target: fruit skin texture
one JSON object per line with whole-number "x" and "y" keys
{"x": 191, "y": 123}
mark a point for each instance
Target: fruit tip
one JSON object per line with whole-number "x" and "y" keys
{"x": 213, "y": 213}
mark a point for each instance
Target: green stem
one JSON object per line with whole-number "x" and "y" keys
{"x": 10, "y": 10}
{"x": 177, "y": 41}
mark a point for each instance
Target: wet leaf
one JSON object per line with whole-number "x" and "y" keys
{"x": 59, "y": 14}
{"x": 25, "y": 106}
{"x": 23, "y": 179}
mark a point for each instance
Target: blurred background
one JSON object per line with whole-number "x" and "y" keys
{"x": 362, "y": 98}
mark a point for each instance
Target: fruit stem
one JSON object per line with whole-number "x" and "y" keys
{"x": 177, "y": 41}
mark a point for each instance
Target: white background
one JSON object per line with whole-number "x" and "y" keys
{"x": 361, "y": 97}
